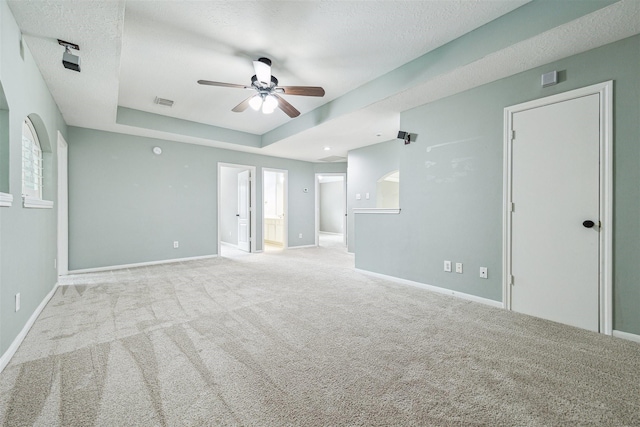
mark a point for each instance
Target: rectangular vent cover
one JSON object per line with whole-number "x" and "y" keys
{"x": 162, "y": 101}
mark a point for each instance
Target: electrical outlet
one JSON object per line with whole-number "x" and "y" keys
{"x": 447, "y": 266}
{"x": 300, "y": 236}
{"x": 459, "y": 267}
{"x": 175, "y": 245}
{"x": 18, "y": 301}
{"x": 484, "y": 274}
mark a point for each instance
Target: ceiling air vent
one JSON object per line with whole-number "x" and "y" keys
{"x": 162, "y": 101}
{"x": 333, "y": 159}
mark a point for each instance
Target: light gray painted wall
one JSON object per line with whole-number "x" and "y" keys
{"x": 366, "y": 166}
{"x": 451, "y": 197}
{"x": 127, "y": 205}
{"x": 27, "y": 236}
{"x": 332, "y": 200}
{"x": 229, "y": 205}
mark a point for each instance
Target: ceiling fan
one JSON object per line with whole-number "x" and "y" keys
{"x": 268, "y": 93}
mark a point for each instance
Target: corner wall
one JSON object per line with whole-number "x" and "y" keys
{"x": 27, "y": 236}
{"x": 451, "y": 182}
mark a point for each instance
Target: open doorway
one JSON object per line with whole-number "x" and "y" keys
{"x": 236, "y": 218}
{"x": 331, "y": 209}
{"x": 275, "y": 219}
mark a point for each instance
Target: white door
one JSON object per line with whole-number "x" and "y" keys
{"x": 244, "y": 211}
{"x": 555, "y": 188}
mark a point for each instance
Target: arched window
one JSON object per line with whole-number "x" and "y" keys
{"x": 31, "y": 162}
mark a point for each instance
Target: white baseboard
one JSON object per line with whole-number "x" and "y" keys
{"x": 140, "y": 264}
{"x": 626, "y": 336}
{"x": 302, "y": 247}
{"x": 437, "y": 289}
{"x": 330, "y": 233}
{"x": 6, "y": 357}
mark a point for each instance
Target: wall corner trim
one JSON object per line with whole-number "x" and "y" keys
{"x": 626, "y": 336}
{"x": 33, "y": 202}
{"x": 6, "y": 357}
{"x": 6, "y": 200}
{"x": 437, "y": 289}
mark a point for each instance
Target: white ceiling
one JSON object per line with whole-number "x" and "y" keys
{"x": 134, "y": 51}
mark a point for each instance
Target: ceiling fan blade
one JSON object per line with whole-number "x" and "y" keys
{"x": 263, "y": 71}
{"x": 210, "y": 83}
{"x": 243, "y": 105}
{"x": 302, "y": 90}
{"x": 289, "y": 109}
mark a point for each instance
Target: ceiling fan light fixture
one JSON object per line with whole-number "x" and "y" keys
{"x": 270, "y": 102}
{"x": 256, "y": 102}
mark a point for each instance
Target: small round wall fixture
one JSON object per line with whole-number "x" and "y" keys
{"x": 157, "y": 150}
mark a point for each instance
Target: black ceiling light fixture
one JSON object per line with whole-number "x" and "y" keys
{"x": 69, "y": 60}
{"x": 406, "y": 136}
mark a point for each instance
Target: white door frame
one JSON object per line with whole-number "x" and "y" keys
{"x": 605, "y": 90}
{"x": 344, "y": 220}
{"x": 285, "y": 231}
{"x": 63, "y": 207}
{"x": 252, "y": 210}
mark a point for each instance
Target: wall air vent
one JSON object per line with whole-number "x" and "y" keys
{"x": 333, "y": 159}
{"x": 162, "y": 101}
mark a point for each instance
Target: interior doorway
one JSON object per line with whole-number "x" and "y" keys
{"x": 331, "y": 209}
{"x": 558, "y": 208}
{"x": 274, "y": 212}
{"x": 236, "y": 213}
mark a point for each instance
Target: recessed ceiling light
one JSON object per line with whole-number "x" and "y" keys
{"x": 327, "y": 148}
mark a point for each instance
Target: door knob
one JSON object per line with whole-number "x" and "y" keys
{"x": 588, "y": 223}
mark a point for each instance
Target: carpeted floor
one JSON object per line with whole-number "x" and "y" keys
{"x": 298, "y": 338}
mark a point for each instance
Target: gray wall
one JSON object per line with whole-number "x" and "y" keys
{"x": 127, "y": 205}
{"x": 451, "y": 197}
{"x": 365, "y": 167}
{"x": 229, "y": 205}
{"x": 27, "y": 236}
{"x": 332, "y": 200}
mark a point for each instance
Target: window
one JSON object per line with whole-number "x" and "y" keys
{"x": 32, "y": 168}
{"x": 31, "y": 162}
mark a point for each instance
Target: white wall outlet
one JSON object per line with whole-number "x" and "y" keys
{"x": 18, "y": 301}
{"x": 358, "y": 196}
{"x": 459, "y": 267}
{"x": 447, "y": 266}
{"x": 366, "y": 196}
{"x": 300, "y": 236}
{"x": 484, "y": 274}
{"x": 176, "y": 245}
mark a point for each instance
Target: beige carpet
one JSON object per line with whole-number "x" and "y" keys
{"x": 298, "y": 338}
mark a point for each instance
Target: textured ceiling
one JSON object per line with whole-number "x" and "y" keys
{"x": 133, "y": 51}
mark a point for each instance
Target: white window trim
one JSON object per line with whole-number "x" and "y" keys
{"x": 34, "y": 202}
{"x": 6, "y": 200}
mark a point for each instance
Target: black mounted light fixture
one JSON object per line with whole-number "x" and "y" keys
{"x": 69, "y": 60}
{"x": 405, "y": 136}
